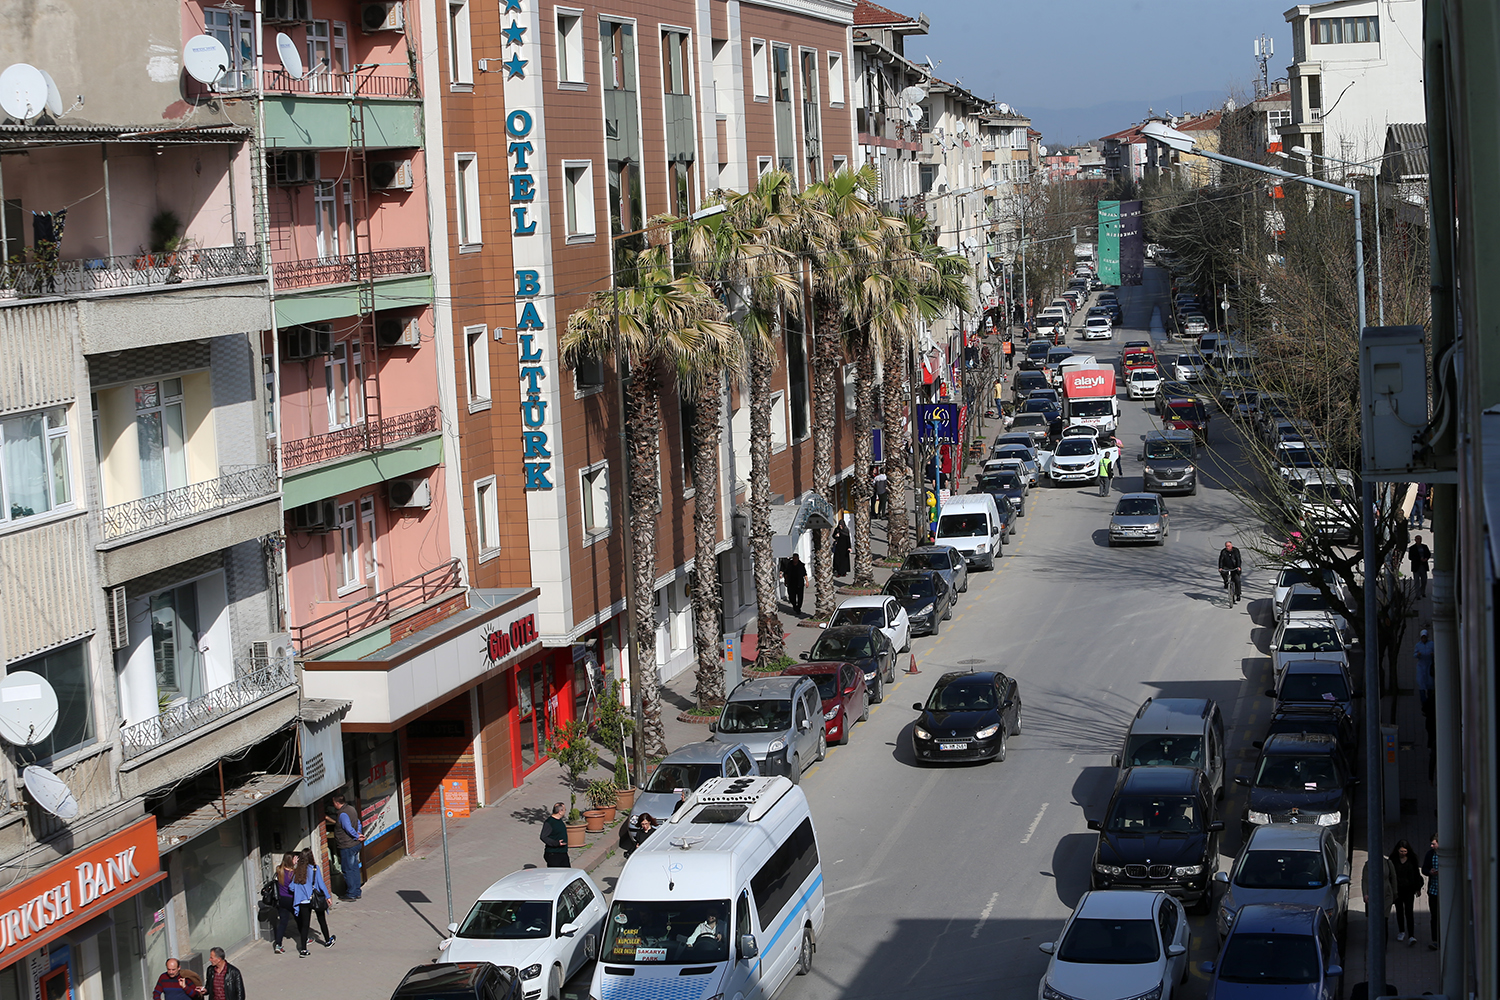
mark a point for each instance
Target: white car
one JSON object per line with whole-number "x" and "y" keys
{"x": 1118, "y": 943}
{"x": 1303, "y": 600}
{"x": 1188, "y": 367}
{"x": 543, "y": 922}
{"x": 1075, "y": 460}
{"x": 1098, "y": 328}
{"x": 1143, "y": 383}
{"x": 1307, "y": 637}
{"x": 1292, "y": 574}
{"x": 881, "y": 611}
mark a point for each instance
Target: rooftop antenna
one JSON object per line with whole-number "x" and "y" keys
{"x": 1265, "y": 48}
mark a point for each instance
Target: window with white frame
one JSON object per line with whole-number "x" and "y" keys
{"x": 851, "y": 389}
{"x": 759, "y": 78}
{"x": 466, "y": 198}
{"x": 235, "y": 30}
{"x": 36, "y": 465}
{"x": 723, "y": 76}
{"x": 460, "y": 52}
{"x": 326, "y": 214}
{"x": 778, "y": 421}
{"x": 268, "y": 376}
{"x": 578, "y": 198}
{"x": 569, "y": 46}
{"x": 762, "y": 167}
{"x": 367, "y": 525}
{"x": 840, "y": 163}
{"x": 348, "y": 541}
{"x": 476, "y": 339}
{"x": 327, "y": 56}
{"x": 593, "y": 486}
{"x": 161, "y": 437}
{"x": 836, "y": 79}
{"x": 343, "y": 381}
{"x": 487, "y": 516}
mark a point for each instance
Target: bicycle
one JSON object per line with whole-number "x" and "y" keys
{"x": 1231, "y": 584}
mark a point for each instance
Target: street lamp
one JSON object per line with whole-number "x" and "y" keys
{"x": 1303, "y": 151}
{"x": 1374, "y": 805}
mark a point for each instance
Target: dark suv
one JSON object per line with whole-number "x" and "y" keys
{"x": 1183, "y": 732}
{"x": 1159, "y": 832}
{"x": 1300, "y": 778}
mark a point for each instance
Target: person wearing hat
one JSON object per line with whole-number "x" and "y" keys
{"x": 1424, "y": 653}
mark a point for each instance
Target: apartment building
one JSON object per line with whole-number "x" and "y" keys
{"x": 888, "y": 123}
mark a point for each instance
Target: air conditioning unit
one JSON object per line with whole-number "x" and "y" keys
{"x": 384, "y": 16}
{"x": 391, "y": 175}
{"x": 287, "y": 10}
{"x": 288, "y": 169}
{"x": 118, "y": 617}
{"x": 398, "y": 331}
{"x": 316, "y": 517}
{"x": 264, "y": 651}
{"x": 409, "y": 494}
{"x": 307, "y": 341}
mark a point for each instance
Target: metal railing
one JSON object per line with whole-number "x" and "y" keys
{"x": 162, "y": 509}
{"x": 371, "y": 611}
{"x": 40, "y": 276}
{"x": 263, "y": 679}
{"x": 328, "y": 83}
{"x": 370, "y": 435}
{"x": 349, "y": 267}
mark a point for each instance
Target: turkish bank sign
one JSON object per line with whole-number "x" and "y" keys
{"x": 77, "y": 889}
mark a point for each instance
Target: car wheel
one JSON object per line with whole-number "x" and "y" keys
{"x": 1000, "y": 753}
{"x": 795, "y": 769}
{"x": 1022, "y": 511}
{"x": 554, "y": 984}
{"x": 890, "y": 675}
{"x": 965, "y": 588}
{"x": 1161, "y": 539}
{"x": 805, "y": 953}
{"x": 937, "y": 624}
{"x": 1019, "y": 706}
{"x": 1194, "y": 491}
{"x": 949, "y": 613}
{"x": 907, "y": 648}
{"x": 1013, "y": 527}
{"x": 864, "y": 716}
{"x": 822, "y": 745}
{"x": 843, "y": 732}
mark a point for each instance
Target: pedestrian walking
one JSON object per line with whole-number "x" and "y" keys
{"x": 1430, "y": 869}
{"x": 348, "y": 838}
{"x": 841, "y": 546}
{"x": 177, "y": 983}
{"x": 882, "y": 485}
{"x": 1388, "y": 878}
{"x": 1421, "y": 559}
{"x": 1408, "y": 886}
{"x": 1106, "y": 472}
{"x": 286, "y": 910}
{"x": 1425, "y": 653}
{"x": 224, "y": 980}
{"x": 555, "y": 839}
{"x": 794, "y": 574}
{"x": 1009, "y": 350}
{"x": 1229, "y": 568}
{"x": 1419, "y": 506}
{"x": 310, "y": 898}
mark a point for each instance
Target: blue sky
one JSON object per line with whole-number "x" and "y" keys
{"x": 1085, "y": 68}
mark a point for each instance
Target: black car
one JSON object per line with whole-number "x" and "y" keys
{"x": 1329, "y": 719}
{"x": 863, "y": 645}
{"x": 1024, "y": 382}
{"x": 945, "y": 559}
{"x": 1006, "y": 486}
{"x": 968, "y": 716}
{"x": 1300, "y": 778}
{"x": 1159, "y": 832}
{"x": 1036, "y": 355}
{"x": 926, "y": 596}
{"x": 459, "y": 981}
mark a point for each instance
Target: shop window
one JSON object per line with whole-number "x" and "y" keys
{"x": 379, "y": 780}
{"x": 35, "y": 463}
{"x": 67, "y": 670}
{"x": 215, "y": 893}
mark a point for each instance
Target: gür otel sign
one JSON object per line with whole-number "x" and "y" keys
{"x": 503, "y": 641}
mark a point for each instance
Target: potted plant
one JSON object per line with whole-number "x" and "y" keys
{"x": 602, "y": 795}
{"x": 569, "y": 745}
{"x": 624, "y": 790}
{"x": 613, "y": 721}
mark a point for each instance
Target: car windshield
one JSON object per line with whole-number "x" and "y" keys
{"x": 1281, "y": 870}
{"x": 1039, "y": 404}
{"x": 1319, "y": 639}
{"x": 963, "y": 525}
{"x": 858, "y": 616}
{"x": 1140, "y": 815}
{"x": 1145, "y": 375}
{"x": 836, "y": 646}
{"x": 1301, "y": 458}
{"x": 926, "y": 560}
{"x": 1029, "y": 380}
{"x": 1074, "y": 446}
{"x": 1290, "y": 576}
{"x": 676, "y": 932}
{"x": 1137, "y": 507}
{"x": 1325, "y": 493}
{"x": 911, "y": 587}
{"x": 998, "y": 481}
{"x": 1092, "y": 407}
{"x": 828, "y": 684}
{"x": 1059, "y": 354}
{"x": 1270, "y": 959}
{"x": 1314, "y": 687}
{"x": 968, "y": 694}
{"x": 671, "y": 776}
{"x": 1098, "y": 321}
{"x": 1299, "y": 773}
{"x": 1109, "y": 942}
{"x": 1163, "y": 450}
{"x": 758, "y": 716}
{"x": 1139, "y": 358}
{"x": 1030, "y": 420}
{"x": 1156, "y": 751}
{"x": 1038, "y": 351}
{"x": 1187, "y": 411}
{"x": 508, "y": 919}
{"x": 1190, "y": 361}
{"x": 1307, "y": 600}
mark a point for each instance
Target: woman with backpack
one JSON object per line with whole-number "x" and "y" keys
{"x": 309, "y": 896}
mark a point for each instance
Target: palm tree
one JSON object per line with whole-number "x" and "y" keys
{"x": 655, "y": 322}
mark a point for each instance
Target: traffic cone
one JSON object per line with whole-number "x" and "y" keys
{"x": 913, "y": 668}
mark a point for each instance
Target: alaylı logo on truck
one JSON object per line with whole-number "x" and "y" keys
{"x": 1089, "y": 381}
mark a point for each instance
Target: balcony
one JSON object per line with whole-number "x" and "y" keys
{"x": 42, "y": 277}
{"x": 335, "y": 84}
{"x": 256, "y": 679}
{"x": 292, "y": 274}
{"x": 371, "y": 435}
{"x": 187, "y": 503}
{"x": 424, "y": 589}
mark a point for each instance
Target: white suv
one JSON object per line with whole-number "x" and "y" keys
{"x": 1119, "y": 943}
{"x": 1075, "y": 460}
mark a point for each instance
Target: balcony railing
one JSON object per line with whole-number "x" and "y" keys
{"x": 352, "y": 618}
{"x": 349, "y": 267}
{"x": 371, "y": 435}
{"x": 343, "y": 84}
{"x": 255, "y": 680}
{"x": 39, "y": 276}
{"x": 247, "y": 483}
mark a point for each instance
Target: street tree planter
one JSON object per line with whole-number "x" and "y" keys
{"x": 624, "y": 799}
{"x": 594, "y": 820}
{"x": 577, "y": 834}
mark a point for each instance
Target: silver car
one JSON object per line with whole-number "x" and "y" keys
{"x": 1026, "y": 457}
{"x": 779, "y": 720}
{"x": 684, "y": 769}
{"x": 1140, "y": 517}
{"x": 1288, "y": 863}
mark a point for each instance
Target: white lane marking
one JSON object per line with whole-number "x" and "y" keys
{"x": 984, "y": 915}
{"x": 1071, "y": 756}
{"x": 850, "y": 888}
{"x": 1035, "y": 823}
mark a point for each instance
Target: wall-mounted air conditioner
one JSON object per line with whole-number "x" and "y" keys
{"x": 310, "y": 340}
{"x": 288, "y": 169}
{"x": 315, "y": 517}
{"x": 398, "y": 331}
{"x": 382, "y": 16}
{"x": 409, "y": 494}
{"x": 287, "y": 10}
{"x": 391, "y": 175}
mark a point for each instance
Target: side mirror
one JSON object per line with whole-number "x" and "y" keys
{"x": 1046, "y": 947}
{"x": 1221, "y": 877}
{"x": 1341, "y": 880}
{"x": 1207, "y": 967}
{"x": 568, "y": 930}
{"x": 1114, "y": 760}
{"x": 1270, "y": 692}
{"x": 1094, "y": 824}
{"x": 804, "y": 655}
{"x": 916, "y": 706}
{"x": 748, "y": 946}
{"x": 1258, "y": 744}
{"x": 713, "y": 726}
{"x": 1215, "y": 826}
{"x": 1174, "y": 950}
{"x": 452, "y": 928}
{"x": 1332, "y": 971}
{"x": 1240, "y": 779}
{"x": 849, "y": 690}
{"x": 1271, "y": 646}
{"x": 806, "y": 725}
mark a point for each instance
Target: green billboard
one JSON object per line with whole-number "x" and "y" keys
{"x": 1109, "y": 242}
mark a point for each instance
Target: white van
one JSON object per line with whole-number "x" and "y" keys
{"x": 738, "y": 847}
{"x": 971, "y": 524}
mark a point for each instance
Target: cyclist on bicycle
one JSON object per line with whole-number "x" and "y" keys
{"x": 1229, "y": 569}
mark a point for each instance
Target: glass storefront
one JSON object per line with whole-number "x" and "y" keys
{"x": 213, "y": 879}
{"x": 534, "y": 711}
{"x": 130, "y": 951}
{"x": 379, "y": 779}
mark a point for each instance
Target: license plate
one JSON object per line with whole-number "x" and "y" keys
{"x": 953, "y": 746}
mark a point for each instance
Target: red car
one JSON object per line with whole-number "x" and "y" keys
{"x": 1187, "y": 415}
{"x": 845, "y": 698}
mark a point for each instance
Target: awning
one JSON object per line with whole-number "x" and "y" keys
{"x": 809, "y": 512}
{"x": 208, "y": 816}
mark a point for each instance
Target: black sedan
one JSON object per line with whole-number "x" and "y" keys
{"x": 926, "y": 596}
{"x": 866, "y": 647}
{"x": 1007, "y": 489}
{"x": 968, "y": 716}
{"x": 1300, "y": 778}
{"x": 945, "y": 559}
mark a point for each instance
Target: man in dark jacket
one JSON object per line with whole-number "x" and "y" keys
{"x": 1421, "y": 560}
{"x": 348, "y": 837}
{"x": 1229, "y": 569}
{"x": 555, "y": 839}
{"x": 224, "y": 980}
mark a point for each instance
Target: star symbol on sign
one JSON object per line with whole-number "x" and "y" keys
{"x": 512, "y": 6}
{"x": 516, "y": 67}
{"x": 513, "y": 33}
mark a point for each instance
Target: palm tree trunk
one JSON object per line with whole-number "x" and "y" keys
{"x": 864, "y": 416}
{"x": 708, "y": 599}
{"x": 642, "y": 400}
{"x": 827, "y": 360}
{"x": 897, "y": 526}
{"x": 768, "y": 622}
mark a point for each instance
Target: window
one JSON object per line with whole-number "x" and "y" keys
{"x": 622, "y": 132}
{"x": 674, "y": 61}
{"x": 175, "y": 628}
{"x": 344, "y": 386}
{"x": 367, "y": 525}
{"x": 778, "y": 421}
{"x": 460, "y": 55}
{"x": 781, "y": 97}
{"x": 67, "y": 670}
{"x": 679, "y": 187}
{"x": 851, "y": 389}
{"x": 723, "y": 76}
{"x": 796, "y": 375}
{"x": 477, "y": 340}
{"x": 235, "y": 30}
{"x": 35, "y": 463}
{"x": 836, "y": 79}
{"x": 327, "y": 56}
{"x": 160, "y": 436}
{"x": 268, "y": 376}
{"x": 761, "y": 87}
{"x": 840, "y": 163}
{"x": 466, "y": 198}
{"x": 588, "y": 376}
{"x": 1315, "y": 92}
{"x": 928, "y": 174}
{"x": 781, "y": 58}
{"x": 687, "y": 422}
{"x": 812, "y": 146}
{"x": 780, "y": 878}
{"x": 325, "y": 210}
{"x": 1340, "y": 30}
{"x": 348, "y": 536}
{"x": 617, "y": 48}
{"x": 487, "y": 516}
{"x": 762, "y": 167}
{"x": 593, "y": 485}
{"x": 578, "y": 195}
{"x": 569, "y": 46}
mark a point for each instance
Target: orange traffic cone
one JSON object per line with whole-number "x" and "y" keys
{"x": 913, "y": 668}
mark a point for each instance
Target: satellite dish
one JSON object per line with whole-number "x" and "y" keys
{"x": 23, "y": 91}
{"x": 54, "y": 96}
{"x": 205, "y": 58}
{"x": 28, "y": 708}
{"x": 986, "y": 288}
{"x": 1005, "y": 109}
{"x": 50, "y": 792}
{"x": 914, "y": 114}
{"x": 1041, "y": 150}
{"x": 291, "y": 59}
{"x": 961, "y": 127}
{"x": 913, "y": 95}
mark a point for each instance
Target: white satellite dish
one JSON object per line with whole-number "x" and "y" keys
{"x": 913, "y": 95}
{"x": 1005, "y": 109}
{"x": 914, "y": 114}
{"x": 986, "y": 288}
{"x": 23, "y": 91}
{"x": 1041, "y": 150}
{"x": 50, "y": 792}
{"x": 205, "y": 58}
{"x": 28, "y": 708}
{"x": 54, "y": 96}
{"x": 291, "y": 59}
{"x": 961, "y": 127}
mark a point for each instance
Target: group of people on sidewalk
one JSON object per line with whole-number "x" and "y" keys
{"x": 1403, "y": 879}
{"x": 223, "y": 981}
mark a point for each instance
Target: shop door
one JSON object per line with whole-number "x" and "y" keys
{"x": 531, "y": 704}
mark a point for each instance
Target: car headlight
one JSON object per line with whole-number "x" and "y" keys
{"x": 532, "y": 971}
{"x": 920, "y": 733}
{"x": 1109, "y": 869}
{"x": 1048, "y": 993}
{"x": 1330, "y": 819}
{"x": 987, "y": 732}
{"x": 982, "y": 548}
{"x": 1258, "y": 818}
{"x": 1183, "y": 870}
{"x": 926, "y": 610}
{"x": 831, "y": 713}
{"x": 776, "y": 745}
{"x": 1152, "y": 994}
